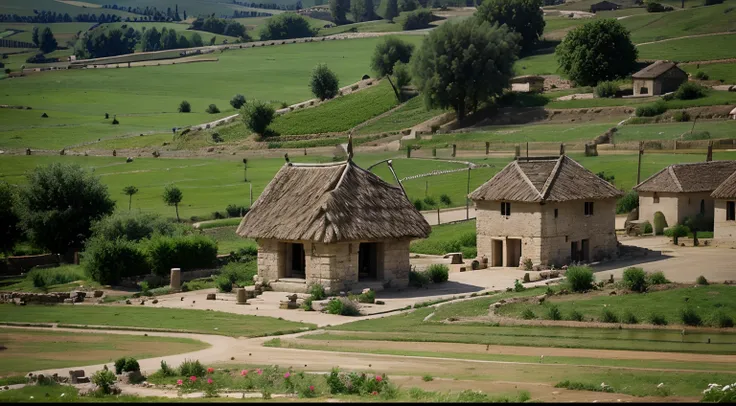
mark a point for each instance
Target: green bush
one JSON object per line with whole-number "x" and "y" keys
{"x": 438, "y": 273}
{"x": 580, "y": 278}
{"x": 571, "y": 385}
{"x": 224, "y": 284}
{"x": 690, "y": 317}
{"x": 608, "y": 316}
{"x": 367, "y": 297}
{"x": 701, "y": 75}
{"x": 627, "y": 202}
{"x": 107, "y": 261}
{"x": 697, "y": 135}
{"x": 257, "y": 116}
{"x": 212, "y": 109}
{"x": 239, "y": 273}
{"x": 576, "y": 315}
{"x": 104, "y": 380}
{"x": 518, "y": 286}
{"x": 186, "y": 252}
{"x": 629, "y": 318}
{"x": 635, "y": 279}
{"x": 47, "y": 277}
{"x": 689, "y": 91}
{"x": 307, "y": 305}
{"x": 418, "y": 204}
{"x": 657, "y": 319}
{"x": 681, "y": 116}
{"x": 468, "y": 239}
{"x": 185, "y": 107}
{"x": 553, "y": 313}
{"x": 317, "y": 291}
{"x": 651, "y": 110}
{"x": 237, "y": 101}
{"x": 469, "y": 252}
{"x": 119, "y": 364}
{"x": 701, "y": 280}
{"x": 418, "y": 279}
{"x": 131, "y": 365}
{"x": 647, "y": 228}
{"x": 417, "y": 20}
{"x": 166, "y": 370}
{"x": 660, "y": 223}
{"x": 653, "y": 7}
{"x": 342, "y": 306}
{"x": 606, "y": 89}
{"x": 721, "y": 320}
{"x": 134, "y": 226}
{"x": 324, "y": 82}
{"x": 528, "y": 314}
{"x": 192, "y": 368}
{"x": 657, "y": 278}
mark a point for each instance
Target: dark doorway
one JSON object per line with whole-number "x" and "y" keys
{"x": 574, "y": 253}
{"x": 643, "y": 90}
{"x": 702, "y": 206}
{"x": 368, "y": 261}
{"x": 585, "y": 247}
{"x": 497, "y": 253}
{"x": 513, "y": 252}
{"x": 298, "y": 263}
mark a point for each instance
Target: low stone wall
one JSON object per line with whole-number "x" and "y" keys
{"x": 155, "y": 280}
{"x": 20, "y": 264}
{"x": 10, "y": 297}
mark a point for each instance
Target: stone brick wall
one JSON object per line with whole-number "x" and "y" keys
{"x": 270, "y": 259}
{"x": 396, "y": 264}
{"x": 20, "y": 264}
{"x": 523, "y": 223}
{"x": 723, "y": 230}
{"x": 675, "y": 206}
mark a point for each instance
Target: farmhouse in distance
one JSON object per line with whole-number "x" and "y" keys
{"x": 658, "y": 78}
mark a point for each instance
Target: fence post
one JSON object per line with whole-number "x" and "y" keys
{"x": 488, "y": 146}
{"x": 454, "y": 150}
{"x": 408, "y": 151}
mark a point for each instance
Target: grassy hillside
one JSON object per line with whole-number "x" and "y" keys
{"x": 701, "y": 20}
{"x": 410, "y": 114}
{"x": 27, "y": 7}
{"x": 691, "y": 49}
{"x": 181, "y": 29}
{"x": 63, "y": 32}
{"x": 715, "y": 71}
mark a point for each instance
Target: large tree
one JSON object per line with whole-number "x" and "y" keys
{"x": 47, "y": 43}
{"x": 286, "y": 26}
{"x": 10, "y": 231}
{"x": 392, "y": 10}
{"x": 58, "y": 205}
{"x": 596, "y": 51}
{"x": 463, "y": 64}
{"x": 362, "y": 10}
{"x": 34, "y": 37}
{"x": 522, "y": 16}
{"x": 387, "y": 54}
{"x": 173, "y": 196}
{"x": 338, "y": 9}
{"x": 324, "y": 82}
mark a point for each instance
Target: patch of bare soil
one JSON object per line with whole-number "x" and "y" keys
{"x": 576, "y": 96}
{"x": 555, "y": 82}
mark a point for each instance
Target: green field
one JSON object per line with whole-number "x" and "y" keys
{"x": 691, "y": 49}
{"x": 63, "y": 32}
{"x": 410, "y": 114}
{"x": 712, "y": 97}
{"x": 544, "y": 64}
{"x": 716, "y": 71}
{"x": 33, "y": 350}
{"x": 701, "y": 20}
{"x": 180, "y": 28}
{"x": 227, "y": 240}
{"x": 197, "y": 321}
{"x": 27, "y": 7}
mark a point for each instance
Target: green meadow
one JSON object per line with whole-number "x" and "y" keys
{"x": 725, "y": 72}
{"x": 691, "y": 49}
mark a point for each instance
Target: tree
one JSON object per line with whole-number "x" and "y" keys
{"x": 58, "y": 205}
{"x": 461, "y": 65}
{"x": 169, "y": 40}
{"x": 698, "y": 223}
{"x": 392, "y": 10}
{"x": 402, "y": 76}
{"x": 522, "y": 16}
{"x": 98, "y": 44}
{"x": 183, "y": 42}
{"x": 324, "y": 82}
{"x": 286, "y": 26}
{"x": 212, "y": 40}
{"x": 48, "y": 42}
{"x": 417, "y": 20}
{"x": 237, "y": 101}
{"x": 172, "y": 197}
{"x": 387, "y": 54}
{"x": 338, "y": 9}
{"x": 362, "y": 10}
{"x": 151, "y": 40}
{"x": 130, "y": 191}
{"x": 196, "y": 40}
{"x": 35, "y": 38}
{"x": 185, "y": 107}
{"x": 10, "y": 231}
{"x": 409, "y": 5}
{"x": 596, "y": 51}
{"x": 258, "y": 115}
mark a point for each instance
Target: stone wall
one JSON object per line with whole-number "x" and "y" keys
{"x": 724, "y": 231}
{"x": 675, "y": 206}
{"x": 24, "y": 263}
{"x": 270, "y": 259}
{"x": 396, "y": 263}
{"x": 524, "y": 223}
{"x": 10, "y": 297}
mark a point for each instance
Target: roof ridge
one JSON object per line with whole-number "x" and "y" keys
{"x": 526, "y": 179}
{"x": 671, "y": 170}
{"x": 552, "y": 176}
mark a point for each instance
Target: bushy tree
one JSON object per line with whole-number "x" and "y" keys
{"x": 172, "y": 197}
{"x": 151, "y": 40}
{"x": 596, "y": 51}
{"x": 130, "y": 191}
{"x": 387, "y": 54}
{"x": 183, "y": 42}
{"x": 10, "y": 231}
{"x": 286, "y": 26}
{"x": 417, "y": 20}
{"x": 461, "y": 65}
{"x": 35, "y": 37}
{"x": 237, "y": 101}
{"x": 258, "y": 115}
{"x": 392, "y": 10}
{"x": 47, "y": 42}
{"x": 196, "y": 40}
{"x": 522, "y": 16}
{"x": 324, "y": 82}
{"x": 134, "y": 227}
{"x": 185, "y": 107}
{"x": 402, "y": 76}
{"x": 338, "y": 10}
{"x": 169, "y": 40}
{"x": 99, "y": 43}
{"x": 212, "y": 109}
{"x": 362, "y": 10}
{"x": 58, "y": 205}
{"x": 409, "y": 5}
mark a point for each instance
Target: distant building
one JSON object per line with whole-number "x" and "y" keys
{"x": 724, "y": 219}
{"x": 604, "y": 6}
{"x": 548, "y": 209}
{"x": 527, "y": 84}
{"x": 658, "y": 78}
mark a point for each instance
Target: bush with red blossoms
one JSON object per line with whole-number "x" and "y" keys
{"x": 354, "y": 383}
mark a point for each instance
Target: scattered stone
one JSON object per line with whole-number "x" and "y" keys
{"x": 232, "y": 358}
{"x": 143, "y": 302}
{"x": 613, "y": 292}
{"x": 155, "y": 301}
{"x": 182, "y": 298}
{"x": 210, "y": 296}
{"x": 127, "y": 301}
{"x": 380, "y": 302}
{"x": 68, "y": 301}
{"x": 98, "y": 293}
{"x": 75, "y": 376}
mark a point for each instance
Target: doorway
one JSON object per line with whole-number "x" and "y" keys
{"x": 574, "y": 253}
{"x": 585, "y": 247}
{"x": 513, "y": 252}
{"x": 368, "y": 261}
{"x": 296, "y": 266}
{"x": 497, "y": 253}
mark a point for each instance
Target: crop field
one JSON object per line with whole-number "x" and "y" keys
{"x": 691, "y": 49}
{"x": 27, "y": 7}
{"x": 716, "y": 71}
{"x": 410, "y": 114}
{"x": 281, "y": 74}
{"x": 701, "y": 20}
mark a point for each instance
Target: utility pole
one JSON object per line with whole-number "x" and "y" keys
{"x": 467, "y": 200}
{"x": 638, "y": 169}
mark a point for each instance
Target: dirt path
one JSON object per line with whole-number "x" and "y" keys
{"x": 687, "y": 36}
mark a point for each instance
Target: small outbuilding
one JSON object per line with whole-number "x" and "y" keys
{"x": 682, "y": 190}
{"x": 604, "y": 6}
{"x": 550, "y": 210}
{"x": 333, "y": 224}
{"x": 724, "y": 219}
{"x": 527, "y": 84}
{"x": 658, "y": 78}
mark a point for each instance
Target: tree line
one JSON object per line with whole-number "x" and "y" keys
{"x": 250, "y": 14}
{"x": 270, "y": 6}
{"x": 153, "y": 12}
{"x": 221, "y": 26}
{"x": 45, "y": 17}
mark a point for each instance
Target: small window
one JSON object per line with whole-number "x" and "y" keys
{"x": 556, "y": 213}
{"x": 588, "y": 208}
{"x": 505, "y": 208}
{"x": 656, "y": 198}
{"x": 730, "y": 211}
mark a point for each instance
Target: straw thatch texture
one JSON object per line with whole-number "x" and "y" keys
{"x": 555, "y": 179}
{"x": 688, "y": 178}
{"x": 654, "y": 70}
{"x": 332, "y": 203}
{"x": 727, "y": 189}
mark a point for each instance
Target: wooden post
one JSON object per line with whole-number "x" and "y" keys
{"x": 434, "y": 152}
{"x": 488, "y": 147}
{"x": 467, "y": 200}
{"x": 517, "y": 151}
{"x": 408, "y": 151}
{"x": 426, "y": 188}
{"x": 454, "y": 150}
{"x": 527, "y": 149}
{"x": 709, "y": 157}
{"x": 638, "y": 169}
{"x": 562, "y": 149}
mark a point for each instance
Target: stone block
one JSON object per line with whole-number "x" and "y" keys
{"x": 99, "y": 293}
{"x": 211, "y": 296}
{"x": 74, "y": 375}
{"x": 242, "y": 298}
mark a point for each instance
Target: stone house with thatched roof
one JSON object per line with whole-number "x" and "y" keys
{"x": 334, "y": 224}
{"x": 658, "y": 78}
{"x": 682, "y": 190}
{"x": 724, "y": 219}
{"x": 548, "y": 209}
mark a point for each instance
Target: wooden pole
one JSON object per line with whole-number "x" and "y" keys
{"x": 454, "y": 150}
{"x": 638, "y": 169}
{"x": 426, "y": 188}
{"x": 488, "y": 146}
{"x": 467, "y": 200}
{"x": 709, "y": 157}
{"x": 527, "y": 149}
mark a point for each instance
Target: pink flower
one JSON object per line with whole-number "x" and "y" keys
{"x": 210, "y": 370}
{"x": 378, "y": 378}
{"x": 287, "y": 375}
{"x": 259, "y": 372}
{"x": 193, "y": 378}
{"x": 374, "y": 393}
{"x": 311, "y": 388}
{"x": 244, "y": 372}
{"x": 179, "y": 382}
{"x": 209, "y": 381}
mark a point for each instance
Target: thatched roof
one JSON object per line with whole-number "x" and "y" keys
{"x": 331, "y": 203}
{"x": 540, "y": 179}
{"x": 688, "y": 178}
{"x": 727, "y": 189}
{"x": 654, "y": 70}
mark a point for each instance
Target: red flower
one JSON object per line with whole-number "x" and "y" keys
{"x": 179, "y": 382}
{"x": 374, "y": 393}
{"x": 378, "y": 378}
{"x": 287, "y": 375}
{"x": 210, "y": 370}
{"x": 209, "y": 381}
{"x": 311, "y": 388}
{"x": 193, "y": 378}
{"x": 244, "y": 372}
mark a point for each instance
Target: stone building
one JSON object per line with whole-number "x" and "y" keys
{"x": 527, "y": 84}
{"x": 548, "y": 209}
{"x": 335, "y": 224}
{"x": 658, "y": 78}
{"x": 682, "y": 190}
{"x": 724, "y": 219}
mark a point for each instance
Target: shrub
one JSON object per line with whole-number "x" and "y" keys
{"x": 659, "y": 223}
{"x": 104, "y": 380}
{"x": 224, "y": 284}
{"x": 689, "y": 91}
{"x": 580, "y": 278}
{"x": 42, "y": 278}
{"x": 468, "y": 239}
{"x": 518, "y": 286}
{"x": 258, "y": 115}
{"x": 237, "y": 101}
{"x": 417, "y": 20}
{"x": 635, "y": 279}
{"x": 690, "y": 317}
{"x": 608, "y": 316}
{"x": 647, "y": 228}
{"x": 721, "y": 320}
{"x": 576, "y": 315}
{"x": 317, "y": 291}
{"x": 107, "y": 261}
{"x": 307, "y": 305}
{"x": 166, "y": 370}
{"x": 324, "y": 82}
{"x": 438, "y": 273}
{"x": 212, "y": 109}
{"x": 427, "y": 378}
{"x": 701, "y": 280}
{"x": 119, "y": 364}
{"x": 367, "y": 297}
{"x": 418, "y": 279}
{"x": 657, "y": 278}
{"x": 187, "y": 252}
{"x": 606, "y": 89}
{"x": 651, "y": 110}
{"x": 528, "y": 264}
{"x": 185, "y": 107}
{"x": 676, "y": 232}
{"x": 469, "y": 252}
{"x": 131, "y": 365}
{"x": 234, "y": 210}
{"x": 192, "y": 368}
{"x": 701, "y": 75}
{"x": 657, "y": 319}
{"x": 627, "y": 202}
{"x": 629, "y": 318}
{"x": 572, "y": 385}
{"x": 418, "y": 204}
{"x": 134, "y": 226}
{"x": 698, "y": 135}
{"x": 553, "y": 313}
{"x": 657, "y": 7}
{"x": 528, "y": 314}
{"x": 343, "y": 306}
{"x": 681, "y": 116}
